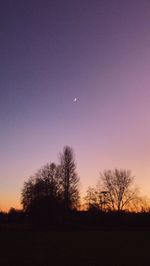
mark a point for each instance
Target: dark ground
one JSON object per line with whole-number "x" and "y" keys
{"x": 21, "y": 245}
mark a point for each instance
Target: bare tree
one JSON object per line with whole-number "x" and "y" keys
{"x": 118, "y": 185}
{"x": 92, "y": 199}
{"x": 49, "y": 174}
{"x": 27, "y": 194}
{"x": 69, "y": 179}
{"x": 140, "y": 204}
{"x": 96, "y": 199}
{"x": 43, "y": 185}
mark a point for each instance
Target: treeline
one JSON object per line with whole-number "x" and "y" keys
{"x": 78, "y": 220}
{"x": 51, "y": 196}
{"x": 53, "y": 190}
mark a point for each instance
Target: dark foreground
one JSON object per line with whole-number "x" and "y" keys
{"x": 21, "y": 245}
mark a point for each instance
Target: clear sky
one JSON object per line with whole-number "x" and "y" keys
{"x": 53, "y": 51}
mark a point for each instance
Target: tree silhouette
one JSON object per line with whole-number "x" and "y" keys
{"x": 41, "y": 193}
{"x": 118, "y": 185}
{"x": 92, "y": 199}
{"x": 52, "y": 190}
{"x": 69, "y": 179}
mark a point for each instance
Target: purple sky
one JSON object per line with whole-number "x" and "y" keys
{"x": 52, "y": 51}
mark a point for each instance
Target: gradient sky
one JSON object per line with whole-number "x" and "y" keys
{"x": 52, "y": 51}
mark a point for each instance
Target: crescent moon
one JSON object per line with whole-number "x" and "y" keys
{"x": 75, "y": 100}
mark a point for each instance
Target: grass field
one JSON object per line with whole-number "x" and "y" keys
{"x": 23, "y": 246}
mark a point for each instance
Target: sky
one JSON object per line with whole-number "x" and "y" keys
{"x": 77, "y": 73}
